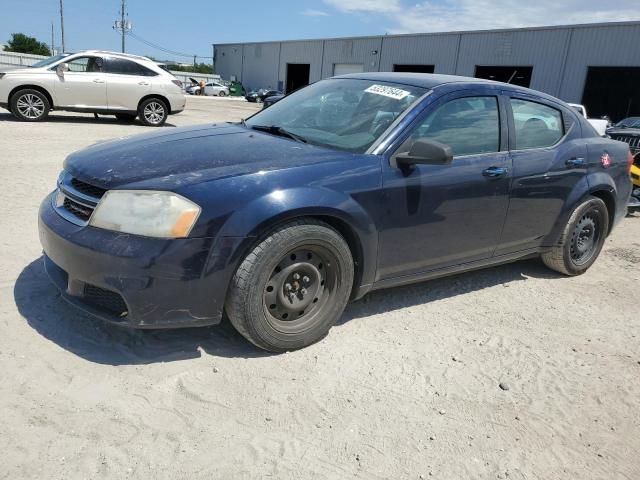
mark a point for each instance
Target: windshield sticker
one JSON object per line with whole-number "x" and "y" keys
{"x": 387, "y": 91}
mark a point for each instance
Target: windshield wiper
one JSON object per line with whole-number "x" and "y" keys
{"x": 283, "y": 132}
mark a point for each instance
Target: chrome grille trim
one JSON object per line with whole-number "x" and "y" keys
{"x": 67, "y": 192}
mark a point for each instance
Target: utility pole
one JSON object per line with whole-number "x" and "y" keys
{"x": 122, "y": 22}
{"x": 52, "y": 40}
{"x": 62, "y": 25}
{"x": 194, "y": 63}
{"x": 123, "y": 25}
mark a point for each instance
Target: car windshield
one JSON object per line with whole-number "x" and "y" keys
{"x": 343, "y": 113}
{"x": 49, "y": 61}
{"x": 633, "y": 122}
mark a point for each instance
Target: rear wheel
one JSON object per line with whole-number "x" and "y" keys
{"x": 292, "y": 287}
{"x": 126, "y": 117}
{"x": 582, "y": 239}
{"x": 30, "y": 105}
{"x": 153, "y": 112}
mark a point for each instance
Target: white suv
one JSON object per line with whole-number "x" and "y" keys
{"x": 126, "y": 86}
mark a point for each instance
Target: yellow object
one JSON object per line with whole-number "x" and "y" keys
{"x": 635, "y": 175}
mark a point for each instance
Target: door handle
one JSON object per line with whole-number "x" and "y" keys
{"x": 494, "y": 172}
{"x": 97, "y": 80}
{"x": 143, "y": 83}
{"x": 575, "y": 162}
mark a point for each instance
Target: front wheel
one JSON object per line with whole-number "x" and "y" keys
{"x": 153, "y": 112}
{"x": 582, "y": 239}
{"x": 30, "y": 105}
{"x": 292, "y": 287}
{"x": 222, "y": 93}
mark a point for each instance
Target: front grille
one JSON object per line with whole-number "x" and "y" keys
{"x": 77, "y": 210}
{"x": 87, "y": 189}
{"x": 632, "y": 140}
{"x": 106, "y": 300}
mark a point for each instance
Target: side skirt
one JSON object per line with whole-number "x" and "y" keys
{"x": 444, "y": 272}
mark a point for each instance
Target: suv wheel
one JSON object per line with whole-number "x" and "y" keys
{"x": 153, "y": 112}
{"x": 582, "y": 239}
{"x": 30, "y": 105}
{"x": 292, "y": 287}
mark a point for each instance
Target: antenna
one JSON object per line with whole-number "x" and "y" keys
{"x": 123, "y": 25}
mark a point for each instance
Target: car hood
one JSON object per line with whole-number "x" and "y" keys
{"x": 624, "y": 131}
{"x": 168, "y": 161}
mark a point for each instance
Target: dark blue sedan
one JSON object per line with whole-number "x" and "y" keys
{"x": 352, "y": 184}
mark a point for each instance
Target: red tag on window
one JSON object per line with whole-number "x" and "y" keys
{"x": 605, "y": 160}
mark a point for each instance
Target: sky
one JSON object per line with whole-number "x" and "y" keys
{"x": 190, "y": 27}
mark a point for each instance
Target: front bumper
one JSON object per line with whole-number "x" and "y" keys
{"x": 131, "y": 280}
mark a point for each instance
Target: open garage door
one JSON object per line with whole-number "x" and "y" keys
{"x": 613, "y": 91}
{"x": 516, "y": 75}
{"x": 414, "y": 68}
{"x": 297, "y": 76}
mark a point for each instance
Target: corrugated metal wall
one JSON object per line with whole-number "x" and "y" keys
{"x": 560, "y": 56}
{"x": 437, "y": 50}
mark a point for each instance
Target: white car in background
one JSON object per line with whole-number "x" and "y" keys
{"x": 216, "y": 89}
{"x": 600, "y": 124}
{"x": 93, "y": 81}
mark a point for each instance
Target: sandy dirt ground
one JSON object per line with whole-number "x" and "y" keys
{"x": 405, "y": 387}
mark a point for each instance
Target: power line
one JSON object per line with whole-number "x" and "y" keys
{"x": 165, "y": 50}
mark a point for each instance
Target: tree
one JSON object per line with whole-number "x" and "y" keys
{"x": 22, "y": 43}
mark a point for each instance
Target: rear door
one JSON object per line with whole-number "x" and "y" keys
{"x": 83, "y": 86}
{"x": 549, "y": 159}
{"x": 127, "y": 83}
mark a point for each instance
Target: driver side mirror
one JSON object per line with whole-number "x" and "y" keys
{"x": 60, "y": 69}
{"x": 426, "y": 152}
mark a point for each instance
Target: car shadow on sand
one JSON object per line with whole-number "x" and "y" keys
{"x": 40, "y": 303}
{"x": 80, "y": 119}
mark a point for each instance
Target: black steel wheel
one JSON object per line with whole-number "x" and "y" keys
{"x": 292, "y": 287}
{"x": 582, "y": 239}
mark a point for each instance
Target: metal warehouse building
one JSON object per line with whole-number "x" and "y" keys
{"x": 594, "y": 64}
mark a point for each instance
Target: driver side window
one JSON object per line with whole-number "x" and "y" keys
{"x": 469, "y": 125}
{"x": 85, "y": 64}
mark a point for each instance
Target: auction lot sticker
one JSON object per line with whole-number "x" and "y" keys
{"x": 387, "y": 91}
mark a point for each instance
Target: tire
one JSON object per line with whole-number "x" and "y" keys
{"x": 290, "y": 290}
{"x": 30, "y": 105}
{"x": 222, "y": 93}
{"x": 153, "y": 112}
{"x": 581, "y": 240}
{"x": 126, "y": 117}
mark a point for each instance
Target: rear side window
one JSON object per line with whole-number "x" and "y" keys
{"x": 121, "y": 66}
{"x": 470, "y": 126}
{"x": 536, "y": 125}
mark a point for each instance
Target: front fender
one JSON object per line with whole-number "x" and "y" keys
{"x": 242, "y": 229}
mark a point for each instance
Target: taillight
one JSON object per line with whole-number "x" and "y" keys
{"x": 629, "y": 161}
{"x": 177, "y": 82}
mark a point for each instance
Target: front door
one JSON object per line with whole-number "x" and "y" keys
{"x": 443, "y": 215}
{"x": 83, "y": 86}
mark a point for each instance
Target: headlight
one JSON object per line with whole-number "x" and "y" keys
{"x": 144, "y": 212}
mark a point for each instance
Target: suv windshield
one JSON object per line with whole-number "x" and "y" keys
{"x": 50, "y": 60}
{"x": 343, "y": 113}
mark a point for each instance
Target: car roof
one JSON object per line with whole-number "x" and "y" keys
{"x": 432, "y": 80}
